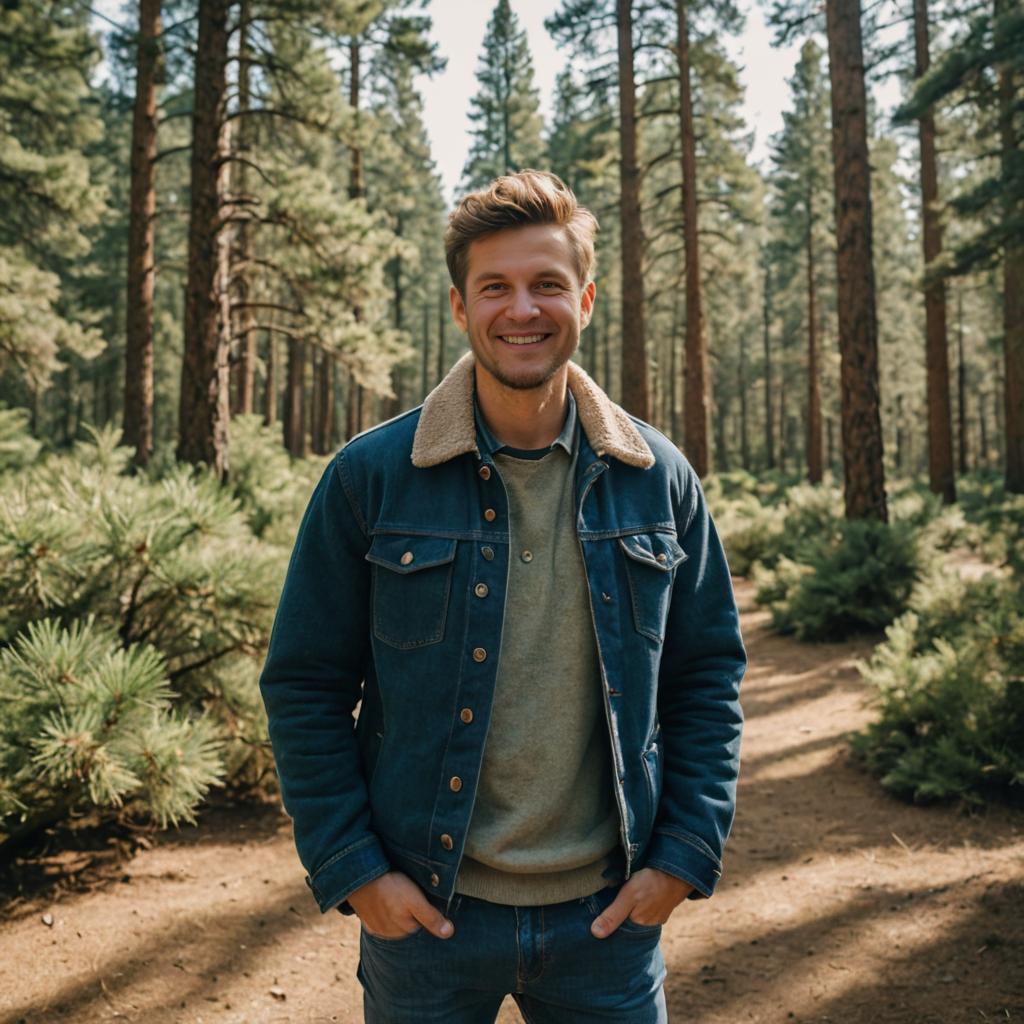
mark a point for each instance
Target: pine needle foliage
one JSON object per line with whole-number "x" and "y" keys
{"x": 86, "y": 723}
{"x": 134, "y": 622}
{"x": 949, "y": 683}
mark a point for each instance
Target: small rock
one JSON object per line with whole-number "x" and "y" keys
{"x": 48, "y": 920}
{"x": 277, "y": 992}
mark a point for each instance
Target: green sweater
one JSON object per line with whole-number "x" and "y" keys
{"x": 544, "y": 818}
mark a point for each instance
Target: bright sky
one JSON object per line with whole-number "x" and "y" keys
{"x": 459, "y": 30}
{"x": 459, "y": 27}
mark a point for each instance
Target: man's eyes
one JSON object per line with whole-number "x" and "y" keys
{"x": 544, "y": 285}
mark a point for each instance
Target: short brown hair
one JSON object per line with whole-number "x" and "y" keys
{"x": 517, "y": 200}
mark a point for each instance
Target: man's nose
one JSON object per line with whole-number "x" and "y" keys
{"x": 521, "y": 305}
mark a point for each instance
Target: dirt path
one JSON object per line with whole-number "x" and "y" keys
{"x": 838, "y": 904}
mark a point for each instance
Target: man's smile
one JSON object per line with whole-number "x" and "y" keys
{"x": 523, "y": 339}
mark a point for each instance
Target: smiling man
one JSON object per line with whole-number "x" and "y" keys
{"x": 523, "y": 587}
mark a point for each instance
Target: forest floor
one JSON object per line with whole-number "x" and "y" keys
{"x": 838, "y": 904}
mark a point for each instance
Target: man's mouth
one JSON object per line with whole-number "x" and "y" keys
{"x": 523, "y": 339}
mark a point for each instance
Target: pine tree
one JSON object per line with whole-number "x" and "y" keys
{"x": 802, "y": 180}
{"x": 47, "y": 197}
{"x": 940, "y": 427}
{"x": 864, "y": 490}
{"x": 505, "y": 112}
{"x": 985, "y": 68}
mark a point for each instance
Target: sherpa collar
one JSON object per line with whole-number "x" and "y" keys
{"x": 447, "y": 427}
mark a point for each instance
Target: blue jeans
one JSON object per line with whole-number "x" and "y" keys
{"x": 545, "y": 957}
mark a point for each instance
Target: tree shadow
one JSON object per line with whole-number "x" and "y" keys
{"x": 218, "y": 944}
{"x": 78, "y": 857}
{"x": 773, "y": 975}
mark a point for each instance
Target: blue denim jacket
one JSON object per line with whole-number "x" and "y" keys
{"x": 395, "y": 596}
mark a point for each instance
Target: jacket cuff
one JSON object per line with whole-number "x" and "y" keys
{"x": 338, "y": 877}
{"x": 685, "y": 856}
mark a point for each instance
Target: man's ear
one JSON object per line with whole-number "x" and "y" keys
{"x": 587, "y": 303}
{"x": 458, "y": 305}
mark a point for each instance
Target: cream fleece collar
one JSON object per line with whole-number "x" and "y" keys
{"x": 447, "y": 428}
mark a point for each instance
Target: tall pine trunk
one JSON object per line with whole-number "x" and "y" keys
{"x": 273, "y": 381}
{"x": 203, "y": 409}
{"x": 138, "y": 365}
{"x": 940, "y": 421}
{"x": 769, "y": 422}
{"x": 814, "y": 460}
{"x": 961, "y": 383}
{"x": 634, "y": 351}
{"x": 695, "y": 399}
{"x": 864, "y": 474}
{"x": 1013, "y": 284}
{"x": 294, "y": 423}
{"x": 245, "y": 330}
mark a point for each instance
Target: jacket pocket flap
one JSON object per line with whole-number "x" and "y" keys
{"x": 406, "y": 554}
{"x": 658, "y": 550}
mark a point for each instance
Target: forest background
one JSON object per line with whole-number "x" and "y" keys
{"x": 220, "y": 258}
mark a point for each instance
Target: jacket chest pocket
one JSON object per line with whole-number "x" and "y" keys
{"x": 651, "y": 559}
{"x": 412, "y": 578}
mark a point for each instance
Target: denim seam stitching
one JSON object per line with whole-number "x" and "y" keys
{"x": 341, "y": 468}
{"x": 695, "y": 841}
{"x": 359, "y": 844}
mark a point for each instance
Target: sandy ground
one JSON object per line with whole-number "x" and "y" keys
{"x": 838, "y": 904}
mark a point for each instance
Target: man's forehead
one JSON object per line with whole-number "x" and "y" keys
{"x": 537, "y": 249}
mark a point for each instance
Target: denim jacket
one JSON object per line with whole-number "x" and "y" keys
{"x": 395, "y": 597}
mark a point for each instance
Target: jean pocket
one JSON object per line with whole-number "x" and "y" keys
{"x": 412, "y": 579}
{"x": 392, "y": 940}
{"x": 651, "y": 559}
{"x": 600, "y": 901}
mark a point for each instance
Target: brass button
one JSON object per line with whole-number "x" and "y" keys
{"x": 607, "y": 598}
{"x": 662, "y": 558}
{"x": 479, "y": 654}
{"x": 488, "y": 553}
{"x": 480, "y": 590}
{"x": 527, "y": 556}
{"x": 435, "y": 881}
{"x": 490, "y": 515}
{"x": 406, "y": 558}
{"x": 455, "y": 784}
{"x": 466, "y": 714}
{"x": 485, "y": 472}
{"x": 446, "y": 841}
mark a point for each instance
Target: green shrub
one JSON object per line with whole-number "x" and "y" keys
{"x": 169, "y": 565}
{"x": 272, "y": 488}
{"x": 86, "y": 723}
{"x": 950, "y": 692}
{"x": 857, "y": 580}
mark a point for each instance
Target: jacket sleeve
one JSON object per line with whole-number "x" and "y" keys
{"x": 698, "y": 706}
{"x": 311, "y": 683}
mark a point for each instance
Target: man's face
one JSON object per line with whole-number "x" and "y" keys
{"x": 524, "y": 307}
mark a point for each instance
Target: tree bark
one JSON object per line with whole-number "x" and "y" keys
{"x": 744, "y": 413}
{"x": 245, "y": 329}
{"x": 273, "y": 381}
{"x": 294, "y": 400}
{"x": 634, "y": 352}
{"x": 863, "y": 470}
{"x": 1013, "y": 287}
{"x": 814, "y": 460}
{"x": 203, "y": 409}
{"x": 940, "y": 426}
{"x": 769, "y": 423}
{"x": 695, "y": 400}
{"x": 961, "y": 382}
{"x": 443, "y": 312}
{"x": 138, "y": 365}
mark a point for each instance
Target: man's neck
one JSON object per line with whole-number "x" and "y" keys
{"x": 529, "y": 418}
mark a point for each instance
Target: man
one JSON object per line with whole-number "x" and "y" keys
{"x": 522, "y": 585}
